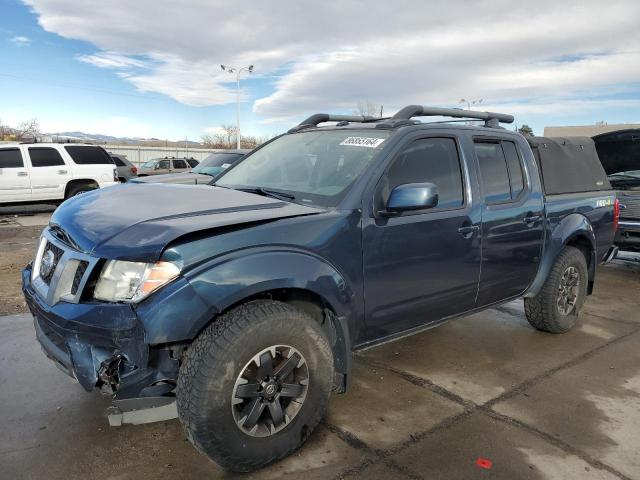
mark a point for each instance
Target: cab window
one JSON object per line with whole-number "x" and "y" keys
{"x": 428, "y": 160}
{"x": 45, "y": 157}
{"x": 10, "y": 158}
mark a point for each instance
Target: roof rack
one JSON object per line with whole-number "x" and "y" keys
{"x": 403, "y": 117}
{"x": 316, "y": 119}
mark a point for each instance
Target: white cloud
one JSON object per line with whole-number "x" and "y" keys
{"x": 110, "y": 60}
{"x": 21, "y": 41}
{"x": 330, "y": 55}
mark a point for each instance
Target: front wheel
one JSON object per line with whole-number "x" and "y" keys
{"x": 254, "y": 384}
{"x": 556, "y": 307}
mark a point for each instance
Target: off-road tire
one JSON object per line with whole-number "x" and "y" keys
{"x": 216, "y": 358}
{"x": 542, "y": 310}
{"x": 78, "y": 189}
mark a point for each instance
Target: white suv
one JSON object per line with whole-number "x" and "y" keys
{"x": 51, "y": 171}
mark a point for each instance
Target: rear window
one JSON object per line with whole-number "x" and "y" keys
{"x": 10, "y": 158}
{"x": 119, "y": 162}
{"x": 88, "y": 155}
{"x": 494, "y": 173}
{"x": 45, "y": 157}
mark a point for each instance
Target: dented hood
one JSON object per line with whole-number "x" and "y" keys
{"x": 136, "y": 222}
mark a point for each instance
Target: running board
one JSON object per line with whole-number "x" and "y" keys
{"x": 138, "y": 411}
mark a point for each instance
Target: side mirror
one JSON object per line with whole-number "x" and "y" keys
{"x": 412, "y": 196}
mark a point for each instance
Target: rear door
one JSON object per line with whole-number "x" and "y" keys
{"x": 512, "y": 220}
{"x": 15, "y": 185}
{"x": 180, "y": 165}
{"x": 49, "y": 173}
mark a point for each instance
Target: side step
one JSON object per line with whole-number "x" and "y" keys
{"x": 137, "y": 411}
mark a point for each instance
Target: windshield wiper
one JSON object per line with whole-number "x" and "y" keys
{"x": 274, "y": 193}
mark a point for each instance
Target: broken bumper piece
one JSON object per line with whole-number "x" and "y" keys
{"x": 101, "y": 345}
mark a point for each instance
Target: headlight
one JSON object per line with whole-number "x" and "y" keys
{"x": 132, "y": 281}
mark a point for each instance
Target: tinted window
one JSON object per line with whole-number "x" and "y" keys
{"x": 163, "y": 164}
{"x": 493, "y": 170}
{"x": 10, "y": 158}
{"x": 432, "y": 160}
{"x": 45, "y": 157}
{"x": 119, "y": 162}
{"x": 192, "y": 163}
{"x": 179, "y": 164}
{"x": 515, "y": 168}
{"x": 87, "y": 155}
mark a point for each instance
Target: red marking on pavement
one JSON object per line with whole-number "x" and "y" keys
{"x": 484, "y": 463}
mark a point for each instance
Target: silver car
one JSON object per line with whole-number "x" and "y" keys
{"x": 207, "y": 169}
{"x": 160, "y": 166}
{"x": 126, "y": 169}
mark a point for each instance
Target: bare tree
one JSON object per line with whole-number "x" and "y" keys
{"x": 28, "y": 130}
{"x": 226, "y": 138}
{"x": 368, "y": 108}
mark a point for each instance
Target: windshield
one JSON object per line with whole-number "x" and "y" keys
{"x": 314, "y": 167}
{"x": 149, "y": 164}
{"x": 216, "y": 163}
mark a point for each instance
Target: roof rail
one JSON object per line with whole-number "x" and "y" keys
{"x": 318, "y": 118}
{"x": 403, "y": 117}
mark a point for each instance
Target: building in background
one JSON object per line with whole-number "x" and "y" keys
{"x": 587, "y": 130}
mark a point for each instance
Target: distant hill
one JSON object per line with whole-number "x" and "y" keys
{"x": 108, "y": 139}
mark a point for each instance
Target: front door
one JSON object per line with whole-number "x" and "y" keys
{"x": 49, "y": 173}
{"x": 421, "y": 266}
{"x": 15, "y": 185}
{"x": 512, "y": 221}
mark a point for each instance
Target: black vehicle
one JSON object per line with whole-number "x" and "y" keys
{"x": 203, "y": 173}
{"x": 619, "y": 153}
{"x": 245, "y": 299}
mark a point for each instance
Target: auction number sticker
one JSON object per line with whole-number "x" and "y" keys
{"x": 368, "y": 142}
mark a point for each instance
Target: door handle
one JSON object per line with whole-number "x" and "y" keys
{"x": 467, "y": 232}
{"x": 531, "y": 219}
{"x": 23, "y": 174}
{"x": 62, "y": 172}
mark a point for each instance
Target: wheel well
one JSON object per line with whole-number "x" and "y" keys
{"x": 84, "y": 182}
{"x": 583, "y": 244}
{"x": 320, "y": 310}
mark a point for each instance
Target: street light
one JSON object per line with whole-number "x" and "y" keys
{"x": 237, "y": 71}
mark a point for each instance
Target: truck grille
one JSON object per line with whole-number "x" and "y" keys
{"x": 632, "y": 204}
{"x": 60, "y": 272}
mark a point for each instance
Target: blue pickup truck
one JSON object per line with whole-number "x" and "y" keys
{"x": 244, "y": 301}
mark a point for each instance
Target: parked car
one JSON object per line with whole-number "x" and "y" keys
{"x": 619, "y": 153}
{"x": 212, "y": 166}
{"x": 42, "y": 172}
{"x": 246, "y": 299}
{"x": 160, "y": 166}
{"x": 126, "y": 169}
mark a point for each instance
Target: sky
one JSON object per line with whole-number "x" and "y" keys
{"x": 151, "y": 68}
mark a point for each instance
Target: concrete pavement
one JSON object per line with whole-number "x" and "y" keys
{"x": 485, "y": 396}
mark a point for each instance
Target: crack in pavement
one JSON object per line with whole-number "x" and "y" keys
{"x": 383, "y": 456}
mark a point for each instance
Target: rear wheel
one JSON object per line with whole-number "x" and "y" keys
{"x": 254, "y": 384}
{"x": 74, "y": 190}
{"x": 556, "y": 307}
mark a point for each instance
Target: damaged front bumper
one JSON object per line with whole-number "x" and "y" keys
{"x": 101, "y": 345}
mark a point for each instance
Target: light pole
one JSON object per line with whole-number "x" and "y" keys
{"x": 237, "y": 71}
